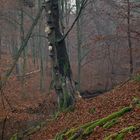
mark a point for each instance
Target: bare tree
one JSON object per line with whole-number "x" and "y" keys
{"x": 61, "y": 69}
{"x": 129, "y": 38}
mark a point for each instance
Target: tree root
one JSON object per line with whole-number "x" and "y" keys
{"x": 110, "y": 123}
{"x": 88, "y": 128}
{"x": 136, "y": 102}
{"x": 121, "y": 134}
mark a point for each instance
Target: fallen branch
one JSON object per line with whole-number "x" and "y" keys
{"x": 30, "y": 73}
{"x": 3, "y": 128}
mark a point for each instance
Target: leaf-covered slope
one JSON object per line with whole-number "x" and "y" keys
{"x": 97, "y": 108}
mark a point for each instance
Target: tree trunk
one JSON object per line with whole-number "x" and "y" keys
{"x": 129, "y": 38}
{"x": 0, "y": 45}
{"x": 79, "y": 43}
{"x": 41, "y": 54}
{"x": 59, "y": 57}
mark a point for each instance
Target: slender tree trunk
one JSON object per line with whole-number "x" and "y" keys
{"x": 67, "y": 13}
{"x": 22, "y": 39}
{"x": 20, "y": 65}
{"x": 79, "y": 43}
{"x": 0, "y": 45}
{"x": 41, "y": 54}
{"x": 129, "y": 38}
{"x": 64, "y": 20}
{"x": 22, "y": 47}
{"x": 23, "y": 57}
{"x": 59, "y": 57}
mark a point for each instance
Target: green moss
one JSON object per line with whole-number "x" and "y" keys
{"x": 137, "y": 78}
{"x": 101, "y": 122}
{"x": 60, "y": 136}
{"x": 86, "y": 129}
{"x": 92, "y": 111}
{"x": 66, "y": 68}
{"x": 55, "y": 115}
{"x": 69, "y": 109}
{"x": 136, "y": 101}
{"x": 72, "y": 131}
{"x": 65, "y": 97}
{"x": 121, "y": 134}
{"x": 110, "y": 123}
{"x": 14, "y": 137}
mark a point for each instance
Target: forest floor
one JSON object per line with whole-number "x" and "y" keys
{"x": 103, "y": 105}
{"x": 32, "y": 107}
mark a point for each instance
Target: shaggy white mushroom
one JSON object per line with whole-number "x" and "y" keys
{"x": 49, "y": 12}
{"x": 47, "y": 29}
{"x": 50, "y": 48}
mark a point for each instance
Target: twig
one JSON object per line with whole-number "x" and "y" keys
{"x": 3, "y": 97}
{"x": 27, "y": 74}
{"x": 3, "y": 128}
{"x": 81, "y": 8}
{"x": 2, "y": 100}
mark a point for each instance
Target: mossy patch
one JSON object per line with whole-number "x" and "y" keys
{"x": 137, "y": 78}
{"x": 111, "y": 123}
{"x": 92, "y": 111}
{"x": 136, "y": 101}
{"x": 121, "y": 134}
{"x": 88, "y": 128}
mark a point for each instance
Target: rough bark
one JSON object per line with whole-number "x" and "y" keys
{"x": 79, "y": 43}
{"x": 59, "y": 57}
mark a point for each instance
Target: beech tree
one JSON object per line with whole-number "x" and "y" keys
{"x": 61, "y": 69}
{"x": 129, "y": 37}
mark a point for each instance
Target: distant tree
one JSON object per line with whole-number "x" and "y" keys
{"x": 79, "y": 42}
{"x": 29, "y": 3}
{"x": 129, "y": 37}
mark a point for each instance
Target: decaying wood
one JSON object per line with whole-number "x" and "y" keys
{"x": 28, "y": 74}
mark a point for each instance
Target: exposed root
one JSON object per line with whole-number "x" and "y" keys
{"x": 110, "y": 123}
{"x": 136, "y": 102}
{"x": 121, "y": 134}
{"x": 88, "y": 128}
